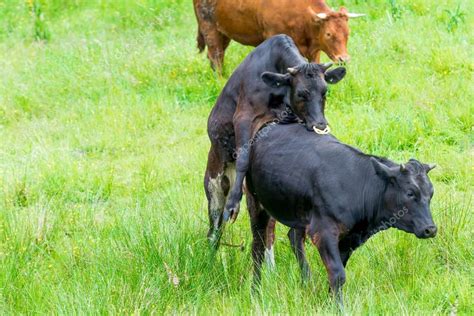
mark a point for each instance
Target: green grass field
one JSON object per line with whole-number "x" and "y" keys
{"x": 103, "y": 146}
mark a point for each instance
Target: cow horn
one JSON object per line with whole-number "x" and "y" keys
{"x": 326, "y": 66}
{"x": 322, "y": 16}
{"x": 429, "y": 167}
{"x": 402, "y": 168}
{"x": 292, "y": 70}
{"x": 355, "y": 15}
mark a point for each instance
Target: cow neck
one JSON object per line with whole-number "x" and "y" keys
{"x": 313, "y": 43}
{"x": 373, "y": 208}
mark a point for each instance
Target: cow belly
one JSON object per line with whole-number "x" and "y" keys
{"x": 239, "y": 22}
{"x": 282, "y": 198}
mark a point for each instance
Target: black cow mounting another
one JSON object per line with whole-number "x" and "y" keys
{"x": 332, "y": 192}
{"x": 273, "y": 76}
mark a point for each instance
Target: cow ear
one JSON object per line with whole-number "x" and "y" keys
{"x": 383, "y": 171}
{"x": 335, "y": 75}
{"x": 275, "y": 80}
{"x": 428, "y": 167}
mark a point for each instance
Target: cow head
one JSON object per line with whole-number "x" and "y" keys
{"x": 333, "y": 32}
{"x": 307, "y": 86}
{"x": 407, "y": 197}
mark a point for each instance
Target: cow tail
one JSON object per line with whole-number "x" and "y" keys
{"x": 201, "y": 43}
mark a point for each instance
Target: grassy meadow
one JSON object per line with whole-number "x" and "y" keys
{"x": 103, "y": 146}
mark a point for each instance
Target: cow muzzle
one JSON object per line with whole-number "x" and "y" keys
{"x": 342, "y": 59}
{"x": 427, "y": 232}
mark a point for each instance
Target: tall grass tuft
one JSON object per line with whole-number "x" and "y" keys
{"x": 40, "y": 27}
{"x": 395, "y": 9}
{"x": 455, "y": 18}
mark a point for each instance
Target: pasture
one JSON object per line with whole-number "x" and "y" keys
{"x": 103, "y": 146}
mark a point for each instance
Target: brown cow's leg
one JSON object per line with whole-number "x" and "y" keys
{"x": 217, "y": 181}
{"x": 216, "y": 46}
{"x": 297, "y": 237}
{"x": 209, "y": 35}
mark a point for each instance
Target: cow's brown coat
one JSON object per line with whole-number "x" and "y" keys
{"x": 250, "y": 22}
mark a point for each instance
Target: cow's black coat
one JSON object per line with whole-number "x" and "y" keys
{"x": 271, "y": 78}
{"x": 335, "y": 193}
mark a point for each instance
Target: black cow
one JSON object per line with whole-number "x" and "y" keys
{"x": 332, "y": 192}
{"x": 271, "y": 78}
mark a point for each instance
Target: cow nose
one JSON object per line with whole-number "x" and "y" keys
{"x": 430, "y": 231}
{"x": 344, "y": 59}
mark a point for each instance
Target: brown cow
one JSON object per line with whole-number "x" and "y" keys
{"x": 311, "y": 23}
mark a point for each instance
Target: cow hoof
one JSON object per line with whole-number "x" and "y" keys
{"x": 214, "y": 239}
{"x": 228, "y": 213}
{"x": 231, "y": 213}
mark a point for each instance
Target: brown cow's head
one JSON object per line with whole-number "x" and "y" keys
{"x": 333, "y": 32}
{"x": 307, "y": 86}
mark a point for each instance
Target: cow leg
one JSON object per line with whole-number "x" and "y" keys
{"x": 347, "y": 245}
{"x": 269, "y": 241}
{"x": 258, "y": 222}
{"x": 327, "y": 243}
{"x": 242, "y": 138}
{"x": 209, "y": 35}
{"x": 297, "y": 238}
{"x": 253, "y": 208}
{"x": 345, "y": 255}
{"x": 216, "y": 185}
{"x": 216, "y": 45}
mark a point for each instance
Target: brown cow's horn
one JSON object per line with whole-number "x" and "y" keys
{"x": 318, "y": 16}
{"x": 355, "y": 15}
{"x": 322, "y": 16}
{"x": 292, "y": 70}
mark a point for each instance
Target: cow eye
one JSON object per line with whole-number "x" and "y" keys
{"x": 328, "y": 34}
{"x": 411, "y": 194}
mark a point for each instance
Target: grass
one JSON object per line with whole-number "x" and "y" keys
{"x": 103, "y": 108}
